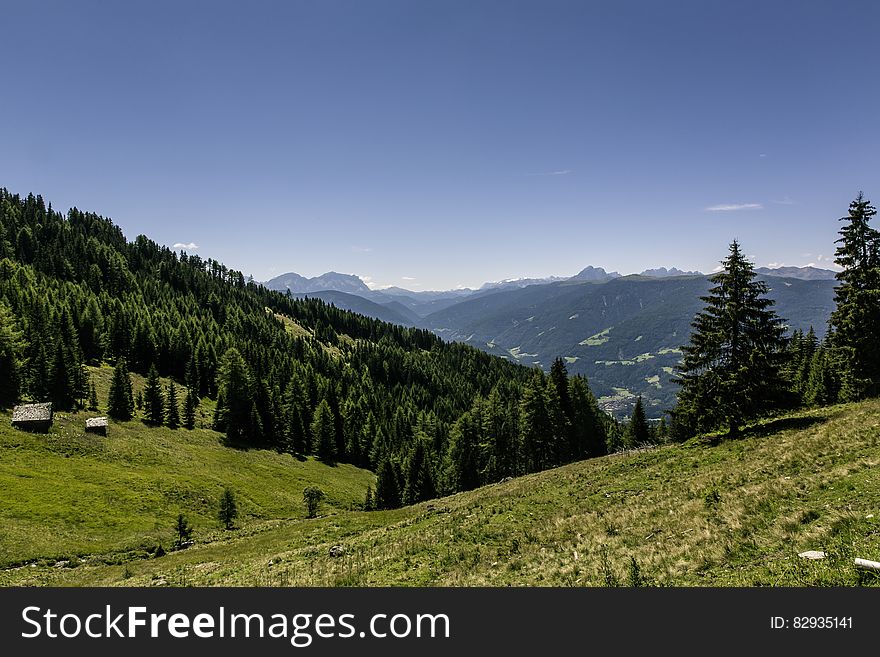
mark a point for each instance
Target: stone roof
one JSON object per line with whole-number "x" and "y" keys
{"x": 96, "y": 422}
{"x": 33, "y": 412}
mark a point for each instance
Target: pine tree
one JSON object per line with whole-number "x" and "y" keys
{"x": 587, "y": 425}
{"x": 821, "y": 386}
{"x": 120, "y": 405}
{"x": 228, "y": 511}
{"x": 235, "y": 397}
{"x": 154, "y": 400}
{"x": 855, "y": 323}
{"x": 189, "y": 409}
{"x": 731, "y": 370}
{"x": 63, "y": 379}
{"x": 387, "y": 486}
{"x": 323, "y": 433}
{"x": 11, "y": 349}
{"x": 183, "y": 530}
{"x": 638, "y": 431}
{"x": 418, "y": 482}
{"x": 172, "y": 414}
{"x": 369, "y": 501}
{"x": 93, "y": 397}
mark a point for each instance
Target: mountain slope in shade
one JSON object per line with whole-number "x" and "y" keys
{"x": 803, "y": 273}
{"x": 393, "y": 312}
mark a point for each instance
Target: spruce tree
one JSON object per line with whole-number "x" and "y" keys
{"x": 63, "y": 380}
{"x": 638, "y": 431}
{"x": 120, "y": 404}
{"x": 154, "y": 400}
{"x": 369, "y": 501}
{"x": 731, "y": 370}
{"x": 387, "y": 486}
{"x": 228, "y": 510}
{"x": 855, "y": 323}
{"x": 172, "y": 414}
{"x": 93, "y": 397}
{"x": 183, "y": 530}
{"x": 324, "y": 433}
{"x": 189, "y": 409}
{"x": 235, "y": 397}
{"x": 11, "y": 348}
{"x": 418, "y": 482}
{"x": 587, "y": 425}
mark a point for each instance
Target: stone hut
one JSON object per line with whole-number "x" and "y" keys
{"x": 33, "y": 417}
{"x": 97, "y": 425}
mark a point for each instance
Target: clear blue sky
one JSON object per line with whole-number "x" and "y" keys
{"x": 438, "y": 144}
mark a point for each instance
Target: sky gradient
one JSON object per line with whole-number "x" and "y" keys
{"x": 434, "y": 145}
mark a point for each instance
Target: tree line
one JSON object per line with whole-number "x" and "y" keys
{"x": 297, "y": 376}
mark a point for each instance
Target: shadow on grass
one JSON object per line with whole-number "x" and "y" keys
{"x": 761, "y": 430}
{"x": 782, "y": 424}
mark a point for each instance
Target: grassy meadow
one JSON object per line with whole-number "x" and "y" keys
{"x": 89, "y": 511}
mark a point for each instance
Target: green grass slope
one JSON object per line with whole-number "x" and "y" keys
{"x": 70, "y": 495}
{"x": 723, "y": 513}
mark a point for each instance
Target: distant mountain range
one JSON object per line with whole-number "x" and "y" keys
{"x": 623, "y": 332}
{"x": 802, "y": 273}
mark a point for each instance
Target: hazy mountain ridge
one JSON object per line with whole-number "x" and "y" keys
{"x": 622, "y": 332}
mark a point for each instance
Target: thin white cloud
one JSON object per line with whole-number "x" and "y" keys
{"x": 370, "y": 283}
{"x": 762, "y": 154}
{"x": 775, "y": 265}
{"x": 784, "y": 201}
{"x": 408, "y": 278}
{"x": 732, "y": 207}
{"x": 192, "y": 246}
{"x": 361, "y": 249}
{"x": 810, "y": 264}
{"x": 806, "y": 255}
{"x": 560, "y": 172}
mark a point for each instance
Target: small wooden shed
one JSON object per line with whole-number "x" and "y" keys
{"x": 97, "y": 425}
{"x": 33, "y": 417}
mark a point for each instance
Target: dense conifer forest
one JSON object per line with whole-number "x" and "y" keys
{"x": 298, "y": 376}
{"x": 430, "y": 418}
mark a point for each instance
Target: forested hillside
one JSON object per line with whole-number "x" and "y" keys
{"x": 297, "y": 376}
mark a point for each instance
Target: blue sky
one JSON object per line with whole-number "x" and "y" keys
{"x": 441, "y": 144}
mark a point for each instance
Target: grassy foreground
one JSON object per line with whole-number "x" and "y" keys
{"x": 725, "y": 513}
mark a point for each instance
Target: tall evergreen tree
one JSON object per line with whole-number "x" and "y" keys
{"x": 189, "y": 409}
{"x": 418, "y": 482}
{"x": 731, "y": 370}
{"x": 63, "y": 379}
{"x": 638, "y": 431}
{"x": 235, "y": 397}
{"x": 387, "y": 486}
{"x": 11, "y": 349}
{"x": 324, "y": 433}
{"x": 93, "y": 396}
{"x": 120, "y": 403}
{"x": 154, "y": 399}
{"x": 587, "y": 425}
{"x": 172, "y": 413}
{"x": 855, "y": 323}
